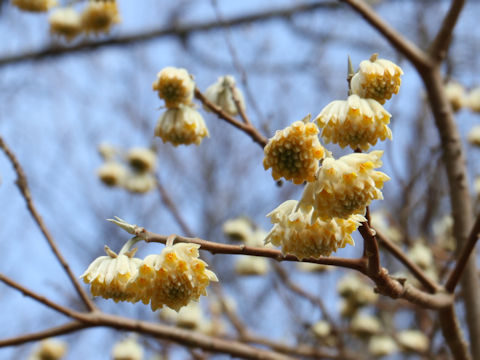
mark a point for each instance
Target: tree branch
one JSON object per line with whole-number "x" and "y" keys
{"x": 25, "y": 191}
{"x": 453, "y": 334}
{"x": 441, "y": 43}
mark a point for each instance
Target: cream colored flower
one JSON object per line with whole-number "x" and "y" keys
{"x": 377, "y": 79}
{"x": 321, "y": 329}
{"x": 421, "y": 255}
{"x": 455, "y": 95}
{"x": 413, "y": 340}
{"x": 356, "y": 122}
{"x": 473, "y": 100}
{"x": 380, "y": 222}
{"x": 474, "y": 136}
{"x": 181, "y": 126}
{"x": 239, "y": 229}
{"x": 99, "y": 16}
{"x": 65, "y": 22}
{"x": 107, "y": 152}
{"x": 355, "y": 291}
{"x": 112, "y": 173}
{"x": 175, "y": 86}
{"x": 381, "y": 345}
{"x": 128, "y": 349}
{"x": 140, "y": 182}
{"x": 49, "y": 349}
{"x": 294, "y": 231}
{"x": 310, "y": 267}
{"x": 173, "y": 278}
{"x": 34, "y": 5}
{"x": 221, "y": 95}
{"x": 142, "y": 159}
{"x": 294, "y": 152}
{"x": 190, "y": 316}
{"x": 365, "y": 325}
{"x": 345, "y": 186}
{"x": 109, "y": 276}
{"x": 251, "y": 265}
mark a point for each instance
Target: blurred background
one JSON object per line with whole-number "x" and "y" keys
{"x": 59, "y": 101}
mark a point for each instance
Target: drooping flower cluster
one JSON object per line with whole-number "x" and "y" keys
{"x": 65, "y": 22}
{"x": 173, "y": 278}
{"x": 294, "y": 152}
{"x": 223, "y": 93}
{"x": 181, "y": 124}
{"x": 99, "y": 16}
{"x": 133, "y": 171}
{"x": 49, "y": 349}
{"x": 345, "y": 186}
{"x": 34, "y": 5}
{"x": 377, "y": 79}
{"x": 298, "y": 235}
{"x": 128, "y": 349}
{"x": 356, "y": 122}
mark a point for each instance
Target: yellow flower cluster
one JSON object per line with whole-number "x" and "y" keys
{"x": 345, "y": 186}
{"x": 295, "y": 232}
{"x": 294, "y": 152}
{"x": 99, "y": 16}
{"x": 173, "y": 278}
{"x": 65, "y": 22}
{"x": 34, "y": 5}
{"x": 181, "y": 124}
{"x": 134, "y": 172}
{"x": 377, "y": 79}
{"x": 356, "y": 122}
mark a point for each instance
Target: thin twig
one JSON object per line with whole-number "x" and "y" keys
{"x": 462, "y": 261}
{"x": 370, "y": 246}
{"x": 25, "y": 191}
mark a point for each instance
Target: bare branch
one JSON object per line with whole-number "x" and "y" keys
{"x": 25, "y": 191}
{"x": 453, "y": 334}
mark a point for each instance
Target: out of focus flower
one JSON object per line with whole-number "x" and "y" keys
{"x": 345, "y": 186}
{"x": 365, "y": 325}
{"x": 473, "y": 100}
{"x": 140, "y": 182}
{"x": 141, "y": 159}
{"x": 188, "y": 317}
{"x": 310, "y": 267}
{"x": 413, "y": 340}
{"x": 128, "y": 349}
{"x": 107, "y": 152}
{"x": 65, "y": 22}
{"x": 443, "y": 232}
{"x": 321, "y": 329}
{"x": 49, "y": 349}
{"x": 112, "y": 173}
{"x": 175, "y": 86}
{"x": 381, "y": 345}
{"x": 220, "y": 93}
{"x": 109, "y": 275}
{"x": 99, "y": 16}
{"x": 34, "y": 5}
{"x": 356, "y": 122}
{"x": 294, "y": 231}
{"x": 251, "y": 265}
{"x": 239, "y": 229}
{"x": 474, "y": 136}
{"x": 476, "y": 185}
{"x": 421, "y": 255}
{"x": 294, "y": 152}
{"x": 356, "y": 291}
{"x": 379, "y": 222}
{"x": 377, "y": 79}
{"x": 181, "y": 126}
{"x": 173, "y": 278}
{"x": 455, "y": 95}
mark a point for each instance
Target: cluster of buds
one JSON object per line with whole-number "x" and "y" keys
{"x": 127, "y": 349}
{"x": 133, "y": 170}
{"x": 355, "y": 294}
{"x": 241, "y": 229}
{"x": 461, "y": 98}
{"x": 173, "y": 278}
{"x": 49, "y": 349}
{"x": 97, "y": 16}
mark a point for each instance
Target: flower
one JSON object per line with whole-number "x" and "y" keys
{"x": 364, "y": 324}
{"x": 381, "y": 223}
{"x": 356, "y": 122}
{"x": 175, "y": 86}
{"x": 188, "y": 317}
{"x": 421, "y": 255}
{"x": 49, "y": 349}
{"x": 413, "y": 340}
{"x": 141, "y": 159}
{"x": 476, "y": 186}
{"x": 473, "y": 100}
{"x": 251, "y": 265}
{"x": 173, "y": 278}
{"x": 355, "y": 292}
{"x": 377, "y": 79}
{"x": 455, "y": 95}
{"x": 474, "y": 136}
{"x": 112, "y": 173}
{"x": 140, "y": 182}
{"x": 128, "y": 349}
{"x": 381, "y": 345}
{"x": 109, "y": 276}
{"x": 34, "y": 5}
{"x": 65, "y": 22}
{"x": 181, "y": 126}
{"x": 294, "y": 152}
{"x": 99, "y": 16}
{"x": 321, "y": 328}
{"x": 294, "y": 231}
{"x": 107, "y": 151}
{"x": 345, "y": 186}
{"x": 220, "y": 93}
{"x": 239, "y": 229}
